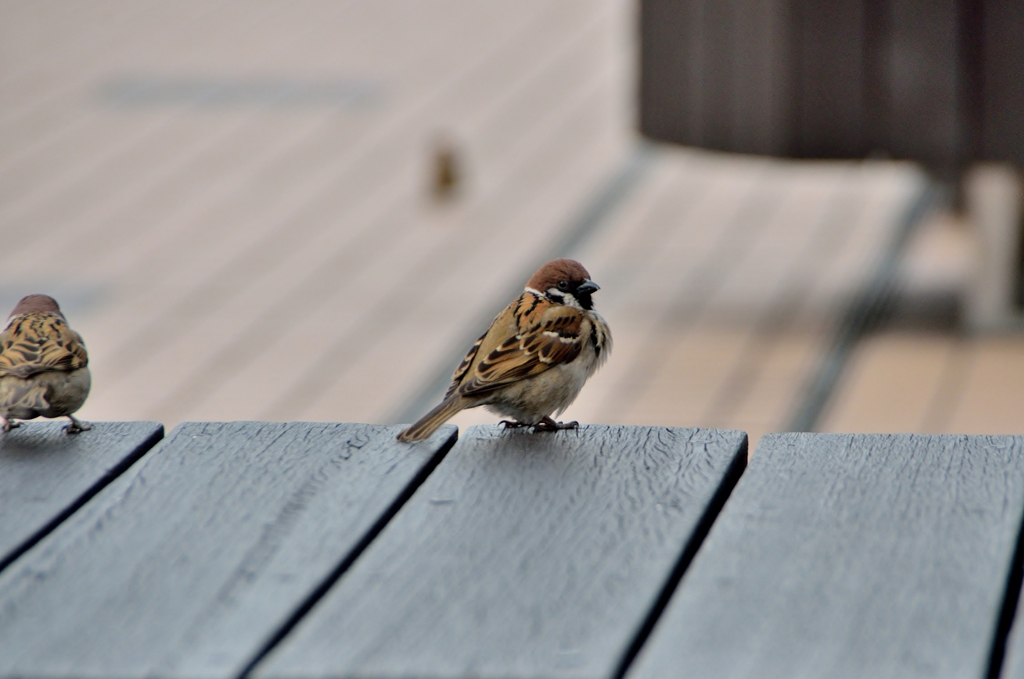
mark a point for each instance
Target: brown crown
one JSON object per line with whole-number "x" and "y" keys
{"x": 558, "y": 270}
{"x": 35, "y": 304}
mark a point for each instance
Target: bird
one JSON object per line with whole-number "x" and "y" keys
{"x": 445, "y": 170}
{"x": 44, "y": 367}
{"x": 533, "y": 360}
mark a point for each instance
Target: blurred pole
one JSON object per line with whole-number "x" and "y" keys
{"x": 993, "y": 193}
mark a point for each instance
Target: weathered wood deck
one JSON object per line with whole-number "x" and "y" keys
{"x": 300, "y": 549}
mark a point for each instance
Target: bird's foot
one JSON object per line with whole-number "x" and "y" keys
{"x": 77, "y": 426}
{"x": 512, "y": 424}
{"x": 7, "y": 425}
{"x": 547, "y": 424}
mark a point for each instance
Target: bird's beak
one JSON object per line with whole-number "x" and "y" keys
{"x": 588, "y": 287}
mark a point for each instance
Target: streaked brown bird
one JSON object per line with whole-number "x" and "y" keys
{"x": 43, "y": 365}
{"x": 445, "y": 171}
{"x": 534, "y": 359}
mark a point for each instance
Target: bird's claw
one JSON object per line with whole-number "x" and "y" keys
{"x": 77, "y": 426}
{"x": 547, "y": 424}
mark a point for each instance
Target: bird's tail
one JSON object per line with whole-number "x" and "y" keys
{"x": 429, "y": 423}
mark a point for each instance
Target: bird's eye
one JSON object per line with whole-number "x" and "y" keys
{"x": 563, "y": 285}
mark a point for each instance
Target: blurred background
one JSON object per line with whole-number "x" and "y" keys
{"x": 309, "y": 210}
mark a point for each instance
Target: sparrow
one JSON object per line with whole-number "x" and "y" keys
{"x": 445, "y": 172}
{"x": 43, "y": 365}
{"x": 534, "y": 358}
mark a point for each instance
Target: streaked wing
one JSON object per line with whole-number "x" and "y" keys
{"x": 460, "y": 372}
{"x": 40, "y": 342}
{"x": 551, "y": 337}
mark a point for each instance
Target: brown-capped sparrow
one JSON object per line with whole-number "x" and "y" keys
{"x": 43, "y": 365}
{"x": 533, "y": 360}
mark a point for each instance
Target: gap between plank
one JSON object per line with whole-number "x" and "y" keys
{"x": 863, "y": 313}
{"x": 1001, "y": 635}
{"x": 707, "y": 519}
{"x": 321, "y": 590}
{"x": 101, "y": 483}
{"x": 622, "y": 182}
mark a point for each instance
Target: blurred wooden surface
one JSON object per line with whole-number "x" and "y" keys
{"x": 259, "y": 258}
{"x": 232, "y": 203}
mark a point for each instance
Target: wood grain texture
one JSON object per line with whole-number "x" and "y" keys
{"x": 523, "y": 555}
{"x": 851, "y": 555}
{"x": 45, "y": 474}
{"x": 191, "y": 561}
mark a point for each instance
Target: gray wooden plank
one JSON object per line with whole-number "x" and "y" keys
{"x": 206, "y": 550}
{"x": 523, "y": 555}
{"x": 851, "y": 555}
{"x": 46, "y": 474}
